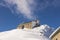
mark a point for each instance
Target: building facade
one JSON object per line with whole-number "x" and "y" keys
{"x": 56, "y": 34}
{"x": 29, "y": 25}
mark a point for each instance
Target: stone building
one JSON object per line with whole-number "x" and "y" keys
{"x": 29, "y": 25}
{"x": 56, "y": 34}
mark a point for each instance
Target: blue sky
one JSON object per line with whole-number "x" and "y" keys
{"x": 49, "y": 15}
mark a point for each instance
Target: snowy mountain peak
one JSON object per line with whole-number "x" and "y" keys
{"x": 38, "y": 33}
{"x": 44, "y": 30}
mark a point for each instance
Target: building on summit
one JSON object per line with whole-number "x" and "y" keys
{"x": 56, "y": 34}
{"x": 29, "y": 25}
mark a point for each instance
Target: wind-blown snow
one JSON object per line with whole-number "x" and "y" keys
{"x": 26, "y": 34}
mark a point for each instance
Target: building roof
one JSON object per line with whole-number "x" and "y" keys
{"x": 54, "y": 32}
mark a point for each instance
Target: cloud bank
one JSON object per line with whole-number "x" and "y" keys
{"x": 27, "y": 7}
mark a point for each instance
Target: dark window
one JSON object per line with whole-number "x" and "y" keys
{"x": 56, "y": 39}
{"x": 37, "y": 25}
{"x": 23, "y": 27}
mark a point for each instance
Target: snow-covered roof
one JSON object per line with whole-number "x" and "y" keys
{"x": 54, "y": 32}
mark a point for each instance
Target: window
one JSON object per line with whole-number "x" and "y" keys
{"x": 23, "y": 27}
{"x": 56, "y": 39}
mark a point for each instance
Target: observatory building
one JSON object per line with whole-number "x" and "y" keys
{"x": 29, "y": 25}
{"x": 56, "y": 34}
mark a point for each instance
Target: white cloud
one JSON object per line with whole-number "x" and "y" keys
{"x": 42, "y": 4}
{"x": 27, "y": 7}
{"x": 21, "y": 6}
{"x": 5, "y": 5}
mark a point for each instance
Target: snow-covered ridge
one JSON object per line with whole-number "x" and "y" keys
{"x": 38, "y": 33}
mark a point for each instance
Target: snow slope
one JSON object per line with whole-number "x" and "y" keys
{"x": 38, "y": 33}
